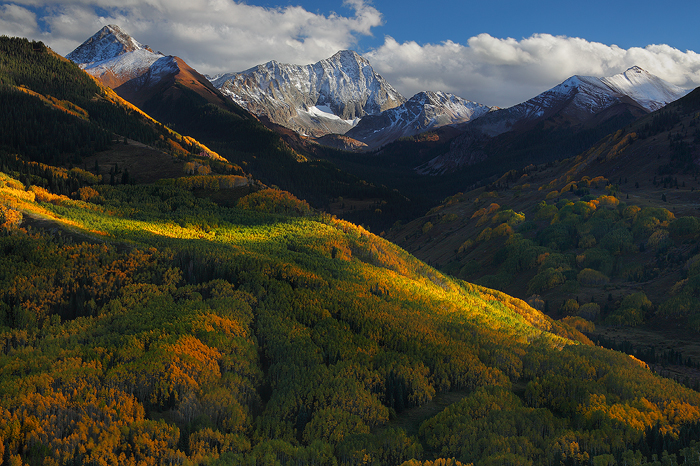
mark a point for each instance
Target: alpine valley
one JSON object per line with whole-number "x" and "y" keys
{"x": 184, "y": 277}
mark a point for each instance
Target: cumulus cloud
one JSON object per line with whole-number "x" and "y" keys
{"x": 211, "y": 35}
{"x": 17, "y": 21}
{"x": 505, "y": 72}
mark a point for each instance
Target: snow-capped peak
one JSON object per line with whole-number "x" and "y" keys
{"x": 424, "y": 111}
{"x": 109, "y": 42}
{"x": 648, "y": 90}
{"x": 348, "y": 58}
{"x": 345, "y": 84}
{"x": 115, "y": 57}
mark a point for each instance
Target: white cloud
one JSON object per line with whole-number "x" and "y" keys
{"x": 211, "y": 35}
{"x": 17, "y": 21}
{"x": 505, "y": 72}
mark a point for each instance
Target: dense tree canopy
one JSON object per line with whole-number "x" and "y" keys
{"x": 186, "y": 332}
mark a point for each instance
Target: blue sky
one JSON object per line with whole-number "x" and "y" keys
{"x": 626, "y": 24}
{"x": 495, "y": 52}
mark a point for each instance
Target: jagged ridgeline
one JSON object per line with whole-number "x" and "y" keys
{"x": 144, "y": 325}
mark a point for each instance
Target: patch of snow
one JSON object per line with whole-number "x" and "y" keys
{"x": 323, "y": 111}
{"x": 128, "y": 65}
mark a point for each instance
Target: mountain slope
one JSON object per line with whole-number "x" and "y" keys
{"x": 318, "y": 99}
{"x": 263, "y": 324}
{"x": 551, "y": 120}
{"x": 422, "y": 112}
{"x": 600, "y": 228}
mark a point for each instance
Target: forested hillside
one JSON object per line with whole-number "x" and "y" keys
{"x": 144, "y": 324}
{"x": 610, "y": 236}
{"x": 55, "y": 117}
{"x": 622, "y": 214}
{"x": 183, "y": 331}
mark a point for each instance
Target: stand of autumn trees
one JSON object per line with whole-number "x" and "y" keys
{"x": 183, "y": 332}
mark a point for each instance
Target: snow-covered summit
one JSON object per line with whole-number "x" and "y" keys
{"x": 109, "y": 42}
{"x": 345, "y": 83}
{"x": 647, "y": 90}
{"x": 579, "y": 98}
{"x": 115, "y": 57}
{"x": 650, "y": 91}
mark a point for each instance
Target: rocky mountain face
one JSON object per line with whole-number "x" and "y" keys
{"x": 580, "y": 99}
{"x": 135, "y": 71}
{"x": 323, "y": 98}
{"x": 422, "y": 112}
{"x": 115, "y": 58}
{"x": 578, "y": 104}
{"x": 107, "y": 43}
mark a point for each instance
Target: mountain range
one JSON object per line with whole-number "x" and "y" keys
{"x": 580, "y": 98}
{"x": 576, "y": 105}
{"x": 343, "y": 95}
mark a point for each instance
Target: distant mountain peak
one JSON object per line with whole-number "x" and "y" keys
{"x": 648, "y": 90}
{"x": 317, "y": 99}
{"x": 349, "y": 55}
{"x": 346, "y": 52}
{"x": 120, "y": 36}
{"x": 115, "y": 57}
{"x": 636, "y": 69}
{"x": 109, "y": 42}
{"x": 424, "y": 111}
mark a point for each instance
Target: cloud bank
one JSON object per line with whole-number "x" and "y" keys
{"x": 505, "y": 72}
{"x": 217, "y": 36}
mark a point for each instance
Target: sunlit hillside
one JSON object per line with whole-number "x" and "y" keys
{"x": 610, "y": 235}
{"x": 267, "y": 329}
